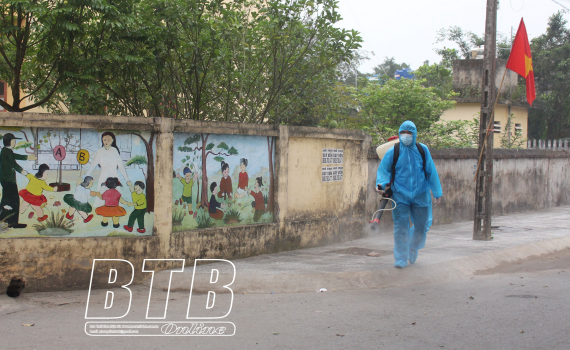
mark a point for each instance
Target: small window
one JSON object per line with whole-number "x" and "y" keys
{"x": 497, "y": 127}
{"x": 518, "y": 127}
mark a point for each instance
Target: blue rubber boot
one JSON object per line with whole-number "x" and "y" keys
{"x": 401, "y": 263}
{"x": 413, "y": 256}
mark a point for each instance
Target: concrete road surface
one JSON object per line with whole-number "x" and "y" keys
{"x": 521, "y": 305}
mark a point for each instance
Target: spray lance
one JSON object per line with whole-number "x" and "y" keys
{"x": 387, "y": 195}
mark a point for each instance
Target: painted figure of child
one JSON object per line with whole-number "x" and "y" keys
{"x": 243, "y": 179}
{"x": 112, "y": 198}
{"x": 213, "y": 210}
{"x": 32, "y": 194}
{"x": 258, "y": 205}
{"x": 139, "y": 202}
{"x": 187, "y": 181}
{"x": 226, "y": 188}
{"x": 79, "y": 201}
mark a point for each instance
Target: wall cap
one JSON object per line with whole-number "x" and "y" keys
{"x": 498, "y": 153}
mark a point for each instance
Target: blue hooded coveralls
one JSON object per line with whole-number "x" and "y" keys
{"x": 411, "y": 192}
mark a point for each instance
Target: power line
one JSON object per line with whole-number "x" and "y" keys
{"x": 566, "y": 8}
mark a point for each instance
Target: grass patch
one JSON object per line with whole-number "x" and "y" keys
{"x": 232, "y": 217}
{"x": 177, "y": 216}
{"x": 54, "y": 225}
{"x": 203, "y": 219}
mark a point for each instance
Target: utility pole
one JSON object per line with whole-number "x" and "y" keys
{"x": 484, "y": 188}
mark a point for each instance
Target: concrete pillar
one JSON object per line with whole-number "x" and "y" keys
{"x": 282, "y": 166}
{"x": 163, "y": 183}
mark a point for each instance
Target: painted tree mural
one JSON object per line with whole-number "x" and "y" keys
{"x": 206, "y": 149}
{"x": 54, "y": 138}
{"x": 29, "y": 145}
{"x": 149, "y": 176}
{"x": 140, "y": 161}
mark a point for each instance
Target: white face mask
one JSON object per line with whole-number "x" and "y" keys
{"x": 407, "y": 139}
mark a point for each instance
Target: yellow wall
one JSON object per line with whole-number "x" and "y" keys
{"x": 468, "y": 111}
{"x": 307, "y": 193}
{"x": 307, "y": 212}
{"x": 24, "y": 103}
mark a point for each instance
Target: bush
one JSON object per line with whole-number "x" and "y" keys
{"x": 232, "y": 217}
{"x": 55, "y": 224}
{"x": 178, "y": 216}
{"x": 203, "y": 219}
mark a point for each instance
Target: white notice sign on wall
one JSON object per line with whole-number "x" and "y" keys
{"x": 332, "y": 156}
{"x": 332, "y": 173}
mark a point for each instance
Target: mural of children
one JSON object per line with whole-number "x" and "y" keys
{"x": 32, "y": 194}
{"x": 108, "y": 157}
{"x": 213, "y": 210}
{"x": 139, "y": 202}
{"x": 10, "y": 203}
{"x": 226, "y": 188}
{"x": 243, "y": 179}
{"x": 80, "y": 200}
{"x": 112, "y": 198}
{"x": 187, "y": 181}
{"x": 258, "y": 204}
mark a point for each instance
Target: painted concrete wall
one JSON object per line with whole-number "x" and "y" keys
{"x": 222, "y": 180}
{"x": 306, "y": 212}
{"x": 79, "y": 205}
{"x": 523, "y": 180}
{"x": 470, "y": 110}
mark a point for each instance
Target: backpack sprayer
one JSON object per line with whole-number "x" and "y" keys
{"x": 386, "y": 197}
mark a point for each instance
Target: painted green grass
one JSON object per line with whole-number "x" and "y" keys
{"x": 54, "y": 225}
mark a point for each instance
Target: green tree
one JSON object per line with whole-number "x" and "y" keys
{"x": 464, "y": 39}
{"x": 549, "y": 116}
{"x": 388, "y": 68}
{"x": 243, "y": 61}
{"x": 436, "y": 76}
{"x": 451, "y": 134}
{"x": 385, "y": 108}
{"x": 41, "y": 44}
{"x": 510, "y": 140}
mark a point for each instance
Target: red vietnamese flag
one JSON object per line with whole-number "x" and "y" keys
{"x": 520, "y": 61}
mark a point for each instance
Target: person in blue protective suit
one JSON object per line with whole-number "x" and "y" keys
{"x": 410, "y": 185}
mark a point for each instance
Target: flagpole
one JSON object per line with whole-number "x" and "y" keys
{"x": 489, "y": 127}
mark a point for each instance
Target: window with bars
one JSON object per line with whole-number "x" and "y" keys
{"x": 497, "y": 127}
{"x": 518, "y": 128}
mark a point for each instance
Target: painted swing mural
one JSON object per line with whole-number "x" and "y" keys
{"x": 222, "y": 180}
{"x": 76, "y": 182}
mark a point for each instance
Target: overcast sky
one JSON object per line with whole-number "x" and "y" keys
{"x": 406, "y": 29}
